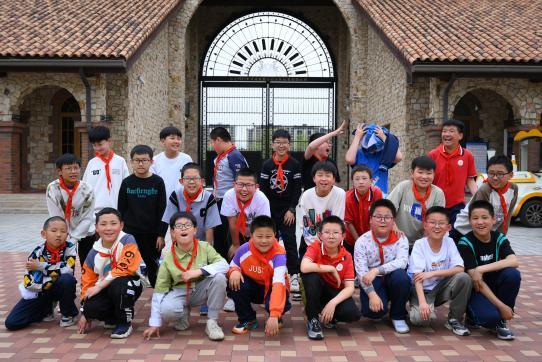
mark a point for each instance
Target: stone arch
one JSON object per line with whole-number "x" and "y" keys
{"x": 460, "y": 93}
{"x": 18, "y": 97}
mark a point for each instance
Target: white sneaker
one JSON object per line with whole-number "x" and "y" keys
{"x": 213, "y": 331}
{"x": 400, "y": 326}
{"x": 294, "y": 283}
{"x": 67, "y": 321}
{"x": 184, "y": 323}
{"x": 229, "y": 306}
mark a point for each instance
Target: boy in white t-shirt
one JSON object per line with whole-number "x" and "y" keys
{"x": 105, "y": 172}
{"x": 319, "y": 202}
{"x": 168, "y": 164}
{"x": 438, "y": 274}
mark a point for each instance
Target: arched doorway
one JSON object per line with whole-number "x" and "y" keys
{"x": 49, "y": 114}
{"x": 264, "y": 71}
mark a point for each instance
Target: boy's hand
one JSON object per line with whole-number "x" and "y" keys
{"x": 327, "y": 313}
{"x": 289, "y": 218}
{"x": 272, "y": 326}
{"x": 360, "y": 131}
{"x": 375, "y": 303}
{"x": 336, "y": 275}
{"x": 232, "y": 251}
{"x": 236, "y": 278}
{"x": 380, "y": 134}
{"x": 340, "y": 130}
{"x": 420, "y": 277}
{"x": 149, "y": 332}
{"x": 160, "y": 243}
{"x": 425, "y": 311}
{"x": 83, "y": 325}
{"x": 191, "y": 274}
{"x": 32, "y": 265}
{"x": 92, "y": 291}
{"x": 477, "y": 279}
{"x": 369, "y": 276}
{"x": 506, "y": 312}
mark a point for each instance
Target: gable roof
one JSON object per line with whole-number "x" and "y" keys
{"x": 460, "y": 31}
{"x": 80, "y": 29}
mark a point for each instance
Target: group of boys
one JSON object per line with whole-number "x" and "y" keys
{"x": 348, "y": 238}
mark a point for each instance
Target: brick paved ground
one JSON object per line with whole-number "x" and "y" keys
{"x": 360, "y": 341}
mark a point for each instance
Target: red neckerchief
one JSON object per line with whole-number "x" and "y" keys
{"x": 188, "y": 266}
{"x": 219, "y": 158}
{"x": 70, "y": 192}
{"x": 392, "y": 238}
{"x": 448, "y": 166}
{"x": 363, "y": 212}
{"x": 264, "y": 260}
{"x": 504, "y": 207}
{"x": 280, "y": 171}
{"x": 241, "y": 224}
{"x": 320, "y": 158}
{"x": 421, "y": 199}
{"x": 107, "y": 170}
{"x": 54, "y": 254}
{"x": 112, "y": 257}
{"x": 189, "y": 199}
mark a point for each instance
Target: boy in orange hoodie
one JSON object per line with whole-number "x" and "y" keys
{"x": 258, "y": 274}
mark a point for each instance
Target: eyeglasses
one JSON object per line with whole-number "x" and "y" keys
{"x": 335, "y": 234}
{"x": 182, "y": 226}
{"x": 191, "y": 179}
{"x": 435, "y": 224}
{"x": 242, "y": 185}
{"x": 71, "y": 168}
{"x": 497, "y": 175}
{"x": 281, "y": 143}
{"x": 386, "y": 218}
{"x": 141, "y": 162}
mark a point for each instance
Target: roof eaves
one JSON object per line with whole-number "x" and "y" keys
{"x": 61, "y": 64}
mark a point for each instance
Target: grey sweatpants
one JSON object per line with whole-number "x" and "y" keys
{"x": 210, "y": 291}
{"x": 455, "y": 289}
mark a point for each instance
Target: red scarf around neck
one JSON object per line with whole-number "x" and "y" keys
{"x": 362, "y": 210}
{"x": 280, "y": 171}
{"x": 106, "y": 161}
{"x": 448, "y": 166}
{"x": 112, "y": 256}
{"x": 421, "y": 199}
{"x": 392, "y": 239}
{"x": 504, "y": 206}
{"x": 219, "y": 158}
{"x": 189, "y": 199}
{"x": 241, "y": 224}
{"x": 264, "y": 260}
{"x": 188, "y": 266}
{"x": 70, "y": 192}
{"x": 54, "y": 254}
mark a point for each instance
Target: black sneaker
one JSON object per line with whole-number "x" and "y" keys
{"x": 503, "y": 332}
{"x": 457, "y": 327}
{"x": 314, "y": 329}
{"x": 122, "y": 330}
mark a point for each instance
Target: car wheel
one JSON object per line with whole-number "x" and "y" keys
{"x": 531, "y": 213}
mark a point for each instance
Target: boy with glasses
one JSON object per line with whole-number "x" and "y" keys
{"x": 438, "y": 275}
{"x": 142, "y": 201}
{"x": 380, "y": 258}
{"x": 497, "y": 190}
{"x": 280, "y": 181}
{"x": 73, "y": 200}
{"x": 192, "y": 274}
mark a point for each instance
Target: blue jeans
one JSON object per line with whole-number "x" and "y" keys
{"x": 505, "y": 285}
{"x": 28, "y": 311}
{"x": 393, "y": 287}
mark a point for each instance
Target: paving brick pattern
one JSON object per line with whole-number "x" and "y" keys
{"x": 360, "y": 341}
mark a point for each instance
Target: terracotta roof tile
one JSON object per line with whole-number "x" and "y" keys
{"x": 460, "y": 30}
{"x": 78, "y": 28}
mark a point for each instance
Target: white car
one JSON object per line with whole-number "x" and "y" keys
{"x": 529, "y": 205}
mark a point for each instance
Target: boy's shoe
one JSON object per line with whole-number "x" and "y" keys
{"x": 294, "y": 283}
{"x": 214, "y": 331}
{"x": 67, "y": 321}
{"x": 229, "y": 306}
{"x": 184, "y": 323}
{"x": 457, "y": 327}
{"x": 203, "y": 310}
{"x": 109, "y": 325}
{"x": 51, "y": 315}
{"x": 314, "y": 329}
{"x": 122, "y": 330}
{"x": 145, "y": 281}
{"x": 503, "y": 331}
{"x": 245, "y": 327}
{"x": 400, "y": 326}
{"x": 296, "y": 297}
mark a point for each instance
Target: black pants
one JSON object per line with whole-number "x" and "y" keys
{"x": 319, "y": 293}
{"x": 84, "y": 246}
{"x": 28, "y": 311}
{"x": 287, "y": 232}
{"x": 454, "y": 210}
{"x": 146, "y": 243}
{"x": 114, "y": 304}
{"x": 222, "y": 239}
